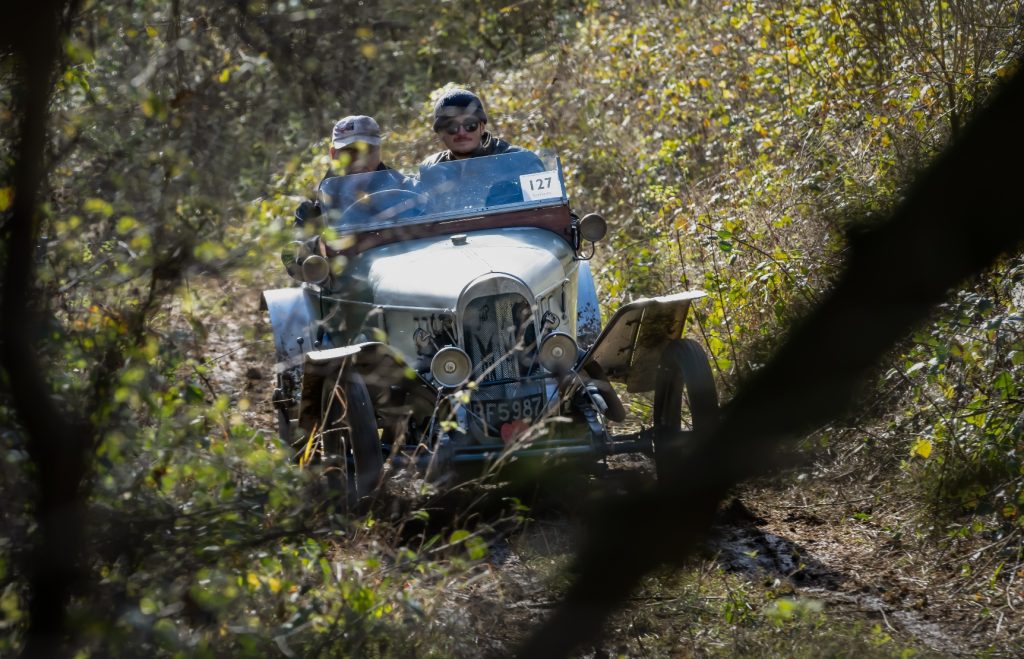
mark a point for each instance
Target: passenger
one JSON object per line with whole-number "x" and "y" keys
{"x": 355, "y": 143}
{"x": 459, "y": 120}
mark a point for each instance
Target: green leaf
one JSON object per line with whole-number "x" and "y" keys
{"x": 1005, "y": 385}
{"x": 476, "y": 547}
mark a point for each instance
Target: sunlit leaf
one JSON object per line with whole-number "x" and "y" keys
{"x": 922, "y": 448}
{"x": 98, "y": 206}
{"x": 476, "y": 547}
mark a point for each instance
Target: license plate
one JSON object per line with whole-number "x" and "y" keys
{"x": 497, "y": 413}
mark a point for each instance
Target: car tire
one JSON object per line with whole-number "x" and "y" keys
{"x": 350, "y": 429}
{"x": 684, "y": 375}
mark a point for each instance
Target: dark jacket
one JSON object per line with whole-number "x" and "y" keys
{"x": 309, "y": 211}
{"x": 489, "y": 146}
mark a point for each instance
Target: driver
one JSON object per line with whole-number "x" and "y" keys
{"x": 459, "y": 121}
{"x": 355, "y": 146}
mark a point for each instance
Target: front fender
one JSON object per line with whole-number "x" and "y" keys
{"x": 631, "y": 344}
{"x": 380, "y": 365}
{"x": 294, "y": 320}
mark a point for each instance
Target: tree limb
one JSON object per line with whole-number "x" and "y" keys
{"x": 56, "y": 443}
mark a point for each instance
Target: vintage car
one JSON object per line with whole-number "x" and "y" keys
{"x": 451, "y": 320}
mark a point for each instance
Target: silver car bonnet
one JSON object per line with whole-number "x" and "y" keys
{"x": 433, "y": 272}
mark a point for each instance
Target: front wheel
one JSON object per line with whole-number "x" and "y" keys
{"x": 684, "y": 370}
{"x": 349, "y": 428}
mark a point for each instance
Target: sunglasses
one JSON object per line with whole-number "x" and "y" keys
{"x": 452, "y": 127}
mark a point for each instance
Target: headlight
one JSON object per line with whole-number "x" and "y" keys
{"x": 593, "y": 227}
{"x": 315, "y": 269}
{"x": 558, "y": 352}
{"x": 451, "y": 366}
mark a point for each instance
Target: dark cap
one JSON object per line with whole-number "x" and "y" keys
{"x": 457, "y": 103}
{"x": 357, "y": 128}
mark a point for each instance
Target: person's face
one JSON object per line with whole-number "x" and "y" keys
{"x": 357, "y": 158}
{"x": 458, "y": 137}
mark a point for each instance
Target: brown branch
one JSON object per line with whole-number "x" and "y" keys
{"x": 961, "y": 215}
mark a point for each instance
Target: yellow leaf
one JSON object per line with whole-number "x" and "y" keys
{"x": 6, "y": 197}
{"x": 309, "y": 448}
{"x": 10, "y": 605}
{"x": 922, "y": 447}
{"x": 126, "y": 224}
{"x": 99, "y": 206}
{"x": 252, "y": 579}
{"x": 717, "y": 49}
{"x": 275, "y": 584}
{"x": 225, "y": 75}
{"x": 151, "y": 31}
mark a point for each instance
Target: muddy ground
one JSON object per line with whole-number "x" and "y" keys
{"x": 832, "y": 536}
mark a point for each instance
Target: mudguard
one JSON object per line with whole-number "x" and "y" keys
{"x": 294, "y": 319}
{"x": 380, "y": 365}
{"x": 629, "y": 347}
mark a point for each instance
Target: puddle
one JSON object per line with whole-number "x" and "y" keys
{"x": 751, "y": 551}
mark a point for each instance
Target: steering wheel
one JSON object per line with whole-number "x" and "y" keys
{"x": 383, "y": 206}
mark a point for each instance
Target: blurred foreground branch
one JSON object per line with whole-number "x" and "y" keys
{"x": 57, "y": 444}
{"x": 957, "y": 219}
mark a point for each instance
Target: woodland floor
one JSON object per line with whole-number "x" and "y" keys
{"x": 832, "y": 537}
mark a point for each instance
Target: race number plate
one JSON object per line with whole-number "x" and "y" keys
{"x": 497, "y": 413}
{"x": 543, "y": 185}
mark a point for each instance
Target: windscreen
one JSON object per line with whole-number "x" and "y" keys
{"x": 461, "y": 188}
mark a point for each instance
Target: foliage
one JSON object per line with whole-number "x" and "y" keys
{"x": 732, "y": 146}
{"x": 963, "y": 373}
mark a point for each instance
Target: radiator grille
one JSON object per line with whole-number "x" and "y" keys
{"x": 493, "y": 326}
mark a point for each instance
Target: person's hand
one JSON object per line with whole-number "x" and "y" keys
{"x": 298, "y": 251}
{"x": 306, "y": 212}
